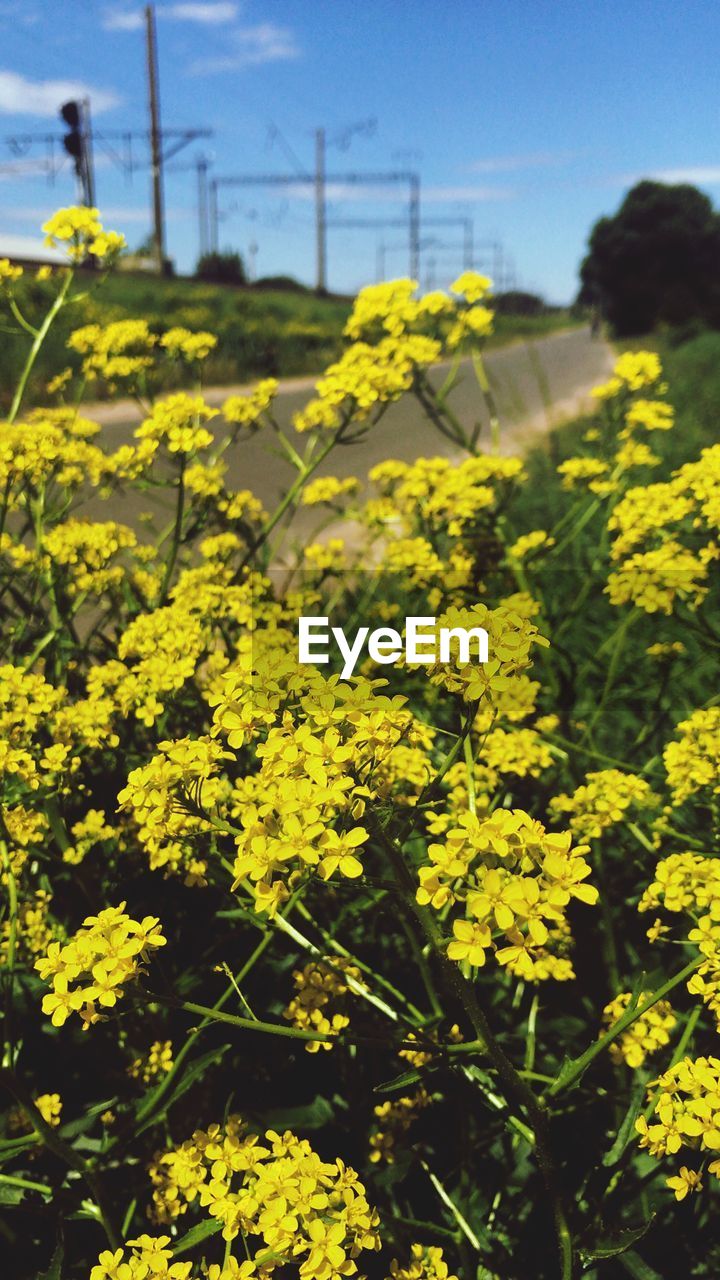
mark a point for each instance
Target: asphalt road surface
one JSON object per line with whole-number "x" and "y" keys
{"x": 536, "y": 386}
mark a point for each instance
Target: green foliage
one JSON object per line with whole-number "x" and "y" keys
{"x": 656, "y": 261}
{"x": 221, "y": 268}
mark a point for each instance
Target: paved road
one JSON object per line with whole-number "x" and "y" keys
{"x": 536, "y": 385}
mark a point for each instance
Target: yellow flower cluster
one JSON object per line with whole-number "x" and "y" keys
{"x": 327, "y": 489}
{"x": 122, "y": 349}
{"x": 655, "y": 580}
{"x": 177, "y": 422}
{"x": 299, "y": 813}
{"x": 83, "y": 550}
{"x": 633, "y": 371}
{"x": 689, "y": 884}
{"x": 451, "y": 495}
{"x": 51, "y": 448}
{"x": 603, "y": 801}
{"x": 168, "y": 832}
{"x": 393, "y": 1119}
{"x": 50, "y": 1107}
{"x": 665, "y": 542}
{"x": 91, "y": 970}
{"x": 513, "y": 878}
{"x": 157, "y": 653}
{"x": 303, "y": 1212}
{"x": 157, "y": 1062}
{"x": 80, "y": 233}
{"x": 395, "y": 336}
{"x": 143, "y": 1257}
{"x": 9, "y": 272}
{"x": 511, "y": 637}
{"x": 646, "y": 1035}
{"x": 182, "y": 344}
{"x": 693, "y": 762}
{"x": 247, "y": 410}
{"x": 527, "y": 546}
{"x": 426, "y": 1263}
{"x": 686, "y": 1101}
{"x": 320, "y": 1002}
{"x": 27, "y": 700}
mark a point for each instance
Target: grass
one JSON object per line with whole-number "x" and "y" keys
{"x": 693, "y": 375}
{"x": 261, "y": 332}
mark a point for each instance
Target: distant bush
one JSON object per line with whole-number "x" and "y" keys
{"x": 221, "y": 268}
{"x": 287, "y": 283}
{"x": 516, "y": 302}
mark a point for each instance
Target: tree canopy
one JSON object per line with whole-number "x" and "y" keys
{"x": 656, "y": 261}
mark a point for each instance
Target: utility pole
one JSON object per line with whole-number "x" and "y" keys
{"x": 412, "y": 180}
{"x": 156, "y": 158}
{"x": 414, "y": 226}
{"x": 468, "y": 248}
{"x": 380, "y": 262}
{"x": 214, "y": 217}
{"x": 87, "y": 154}
{"x": 253, "y": 248}
{"x": 320, "y": 211}
{"x": 201, "y": 165}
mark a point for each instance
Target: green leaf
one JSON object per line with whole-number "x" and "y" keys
{"x": 87, "y": 1120}
{"x": 312, "y": 1115}
{"x": 15, "y": 1146}
{"x": 566, "y": 1070}
{"x": 627, "y": 1128}
{"x": 202, "y": 1231}
{"x": 614, "y": 1243}
{"x": 146, "y": 1113}
{"x": 637, "y": 1267}
{"x": 397, "y": 1082}
{"x": 54, "y": 1271}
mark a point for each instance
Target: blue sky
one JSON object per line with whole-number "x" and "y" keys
{"x": 530, "y": 116}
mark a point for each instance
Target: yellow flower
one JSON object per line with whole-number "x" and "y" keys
{"x": 79, "y": 231}
{"x": 471, "y": 286}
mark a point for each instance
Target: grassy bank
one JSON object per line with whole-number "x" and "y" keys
{"x": 693, "y": 374}
{"x": 278, "y": 333}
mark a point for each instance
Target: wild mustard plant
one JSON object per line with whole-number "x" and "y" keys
{"x": 227, "y": 862}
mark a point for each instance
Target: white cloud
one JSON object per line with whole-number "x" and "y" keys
{"x": 448, "y": 195}
{"x": 251, "y": 47}
{"x": 397, "y": 192}
{"x": 20, "y": 96}
{"x": 516, "y": 163}
{"x": 213, "y": 13}
{"x": 12, "y": 246}
{"x": 708, "y": 175}
{"x": 121, "y": 20}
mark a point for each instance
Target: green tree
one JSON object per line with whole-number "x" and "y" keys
{"x": 657, "y": 261}
{"x": 221, "y": 268}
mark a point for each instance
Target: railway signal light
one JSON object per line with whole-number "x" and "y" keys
{"x": 73, "y": 141}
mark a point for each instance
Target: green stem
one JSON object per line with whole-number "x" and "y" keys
{"x": 514, "y": 1085}
{"x": 177, "y": 533}
{"x": 276, "y": 1028}
{"x": 489, "y": 398}
{"x": 290, "y": 497}
{"x": 9, "y": 1180}
{"x": 34, "y": 351}
{"x": 449, "y": 1203}
{"x": 578, "y": 1066}
{"x": 63, "y": 1151}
